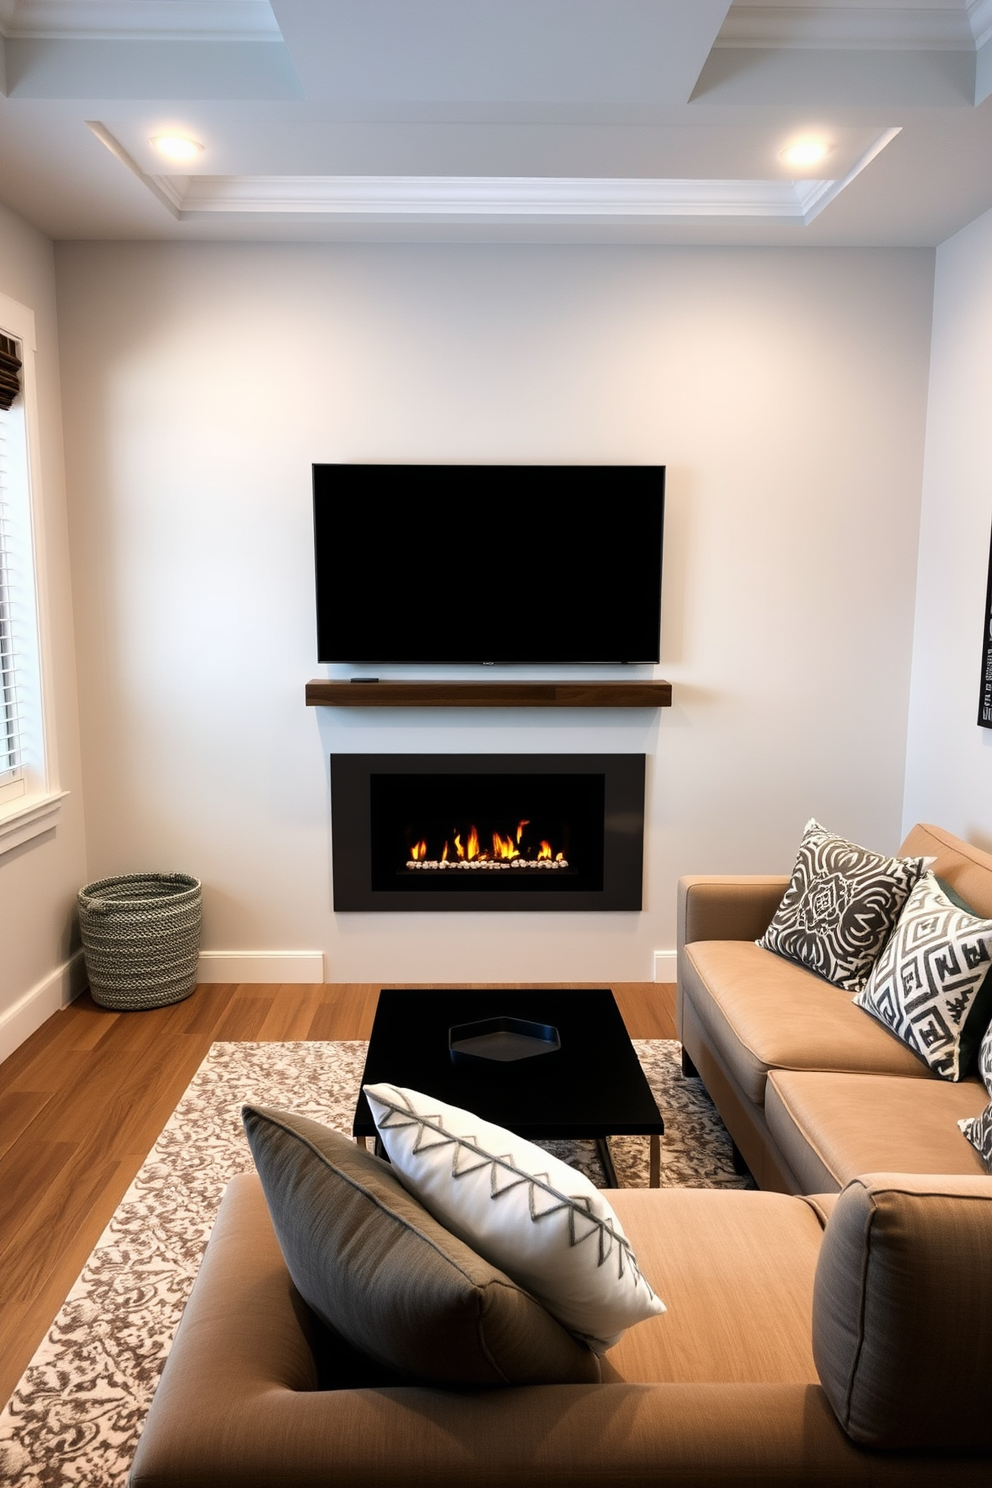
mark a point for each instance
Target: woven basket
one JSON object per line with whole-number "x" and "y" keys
{"x": 141, "y": 938}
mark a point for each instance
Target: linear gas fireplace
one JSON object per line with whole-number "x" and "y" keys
{"x": 487, "y": 831}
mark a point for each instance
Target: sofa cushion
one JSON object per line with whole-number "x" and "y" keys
{"x": 524, "y": 1210}
{"x": 902, "y": 1313}
{"x": 762, "y": 1012}
{"x": 377, "y": 1269}
{"x": 736, "y": 1270}
{"x": 931, "y": 984}
{"x": 831, "y": 1127}
{"x": 840, "y": 906}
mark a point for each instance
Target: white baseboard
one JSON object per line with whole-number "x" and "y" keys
{"x": 260, "y": 966}
{"x": 664, "y": 966}
{"x": 56, "y": 991}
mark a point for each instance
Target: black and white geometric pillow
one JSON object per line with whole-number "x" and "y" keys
{"x": 840, "y": 906}
{"x": 978, "y": 1129}
{"x": 985, "y": 1059}
{"x": 931, "y": 984}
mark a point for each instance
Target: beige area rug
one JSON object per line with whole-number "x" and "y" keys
{"x": 76, "y": 1414}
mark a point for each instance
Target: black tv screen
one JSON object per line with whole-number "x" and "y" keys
{"x": 488, "y": 563}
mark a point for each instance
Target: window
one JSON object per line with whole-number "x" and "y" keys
{"x": 29, "y": 800}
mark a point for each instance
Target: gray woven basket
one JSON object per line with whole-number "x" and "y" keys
{"x": 141, "y": 938}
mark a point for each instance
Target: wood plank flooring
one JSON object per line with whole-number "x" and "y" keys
{"x": 83, "y": 1100}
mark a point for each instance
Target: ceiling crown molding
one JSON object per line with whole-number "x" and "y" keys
{"x": 493, "y": 197}
{"x": 818, "y": 27}
{"x": 980, "y": 19}
{"x": 138, "y": 20}
{"x": 487, "y": 198}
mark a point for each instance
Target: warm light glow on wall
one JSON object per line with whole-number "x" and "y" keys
{"x": 178, "y": 148}
{"x": 806, "y": 152}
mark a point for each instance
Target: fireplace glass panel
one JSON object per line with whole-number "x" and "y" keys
{"x": 501, "y": 832}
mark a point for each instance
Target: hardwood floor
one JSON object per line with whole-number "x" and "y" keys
{"x": 83, "y": 1100}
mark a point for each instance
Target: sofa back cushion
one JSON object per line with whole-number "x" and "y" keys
{"x": 966, "y": 869}
{"x": 902, "y": 1312}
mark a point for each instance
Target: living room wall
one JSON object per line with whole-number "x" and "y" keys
{"x": 949, "y": 763}
{"x": 39, "y": 878}
{"x": 784, "y": 390}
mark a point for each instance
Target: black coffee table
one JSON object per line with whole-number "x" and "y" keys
{"x": 592, "y": 1086}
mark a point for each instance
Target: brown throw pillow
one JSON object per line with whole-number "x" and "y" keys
{"x": 380, "y": 1271}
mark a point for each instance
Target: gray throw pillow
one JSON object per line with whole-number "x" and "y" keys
{"x": 840, "y": 906}
{"x": 379, "y": 1271}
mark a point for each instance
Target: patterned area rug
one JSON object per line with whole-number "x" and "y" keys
{"x": 76, "y": 1414}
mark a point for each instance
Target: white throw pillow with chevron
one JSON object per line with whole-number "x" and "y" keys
{"x": 526, "y": 1212}
{"x": 931, "y": 984}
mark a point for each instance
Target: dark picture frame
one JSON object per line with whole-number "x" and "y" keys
{"x": 985, "y": 686}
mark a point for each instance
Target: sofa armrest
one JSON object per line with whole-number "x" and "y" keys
{"x": 727, "y": 906}
{"x": 902, "y": 1312}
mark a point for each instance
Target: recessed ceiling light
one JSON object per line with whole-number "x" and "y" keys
{"x": 807, "y": 151}
{"x": 177, "y": 147}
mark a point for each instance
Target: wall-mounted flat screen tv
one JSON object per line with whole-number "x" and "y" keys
{"x": 488, "y": 563}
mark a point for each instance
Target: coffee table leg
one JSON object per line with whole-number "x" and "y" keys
{"x": 606, "y": 1158}
{"x": 654, "y": 1162}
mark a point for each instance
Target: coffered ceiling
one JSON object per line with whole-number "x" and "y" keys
{"x": 548, "y": 120}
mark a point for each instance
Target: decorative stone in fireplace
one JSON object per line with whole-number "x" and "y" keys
{"x": 487, "y": 831}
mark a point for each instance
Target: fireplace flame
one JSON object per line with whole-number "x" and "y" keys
{"x": 508, "y": 851}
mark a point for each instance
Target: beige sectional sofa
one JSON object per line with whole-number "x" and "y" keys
{"x": 828, "y": 1341}
{"x": 812, "y": 1089}
{"x": 790, "y": 1354}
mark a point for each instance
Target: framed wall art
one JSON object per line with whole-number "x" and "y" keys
{"x": 985, "y": 687}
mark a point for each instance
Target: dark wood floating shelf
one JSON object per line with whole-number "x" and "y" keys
{"x": 322, "y": 694}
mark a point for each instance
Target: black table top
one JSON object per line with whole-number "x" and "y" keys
{"x": 593, "y": 1086}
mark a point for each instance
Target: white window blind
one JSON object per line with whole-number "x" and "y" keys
{"x": 12, "y": 595}
{"x": 29, "y": 793}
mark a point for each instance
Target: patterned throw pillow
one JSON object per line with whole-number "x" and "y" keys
{"x": 978, "y": 1129}
{"x": 931, "y": 984}
{"x": 526, "y": 1212}
{"x": 840, "y": 906}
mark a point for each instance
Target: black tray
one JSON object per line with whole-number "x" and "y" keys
{"x": 503, "y": 1039}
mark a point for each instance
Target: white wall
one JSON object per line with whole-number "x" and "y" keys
{"x": 38, "y": 880}
{"x": 949, "y": 763}
{"x": 784, "y": 390}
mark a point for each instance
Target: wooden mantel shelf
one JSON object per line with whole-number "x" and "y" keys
{"x": 585, "y": 694}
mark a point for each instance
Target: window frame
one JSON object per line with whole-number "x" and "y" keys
{"x": 36, "y": 808}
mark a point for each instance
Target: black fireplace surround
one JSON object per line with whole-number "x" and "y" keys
{"x": 416, "y": 832}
